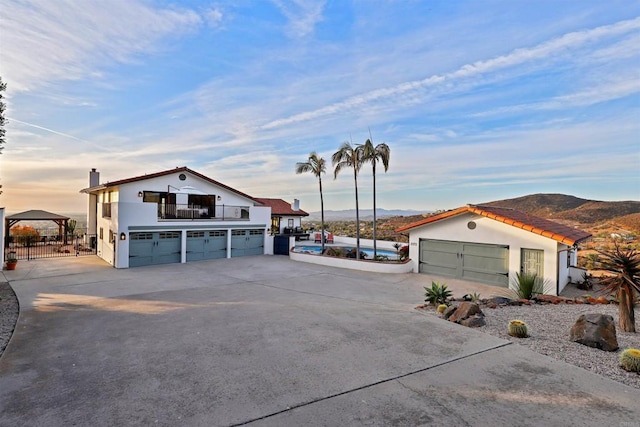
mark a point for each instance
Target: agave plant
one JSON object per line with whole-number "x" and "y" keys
{"x": 528, "y": 285}
{"x": 623, "y": 281}
{"x": 437, "y": 293}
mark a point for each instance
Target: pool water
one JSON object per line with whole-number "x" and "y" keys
{"x": 316, "y": 249}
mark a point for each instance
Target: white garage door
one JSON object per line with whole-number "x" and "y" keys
{"x": 475, "y": 262}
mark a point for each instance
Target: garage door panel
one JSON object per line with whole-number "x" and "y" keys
{"x": 476, "y": 262}
{"x": 151, "y": 248}
{"x": 486, "y": 277}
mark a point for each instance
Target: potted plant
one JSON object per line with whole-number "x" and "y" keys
{"x": 12, "y": 261}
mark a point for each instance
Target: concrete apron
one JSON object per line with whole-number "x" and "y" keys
{"x": 266, "y": 341}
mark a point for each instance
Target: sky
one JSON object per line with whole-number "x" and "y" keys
{"x": 478, "y": 100}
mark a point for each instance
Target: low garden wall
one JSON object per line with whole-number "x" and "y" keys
{"x": 354, "y": 264}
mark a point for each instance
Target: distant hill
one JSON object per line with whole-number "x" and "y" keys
{"x": 570, "y": 209}
{"x": 597, "y": 217}
{"x": 365, "y": 214}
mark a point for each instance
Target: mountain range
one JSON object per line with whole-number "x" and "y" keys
{"x": 591, "y": 215}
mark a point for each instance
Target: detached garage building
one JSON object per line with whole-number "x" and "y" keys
{"x": 490, "y": 245}
{"x": 173, "y": 216}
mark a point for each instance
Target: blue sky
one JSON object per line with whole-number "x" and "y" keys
{"x": 478, "y": 100}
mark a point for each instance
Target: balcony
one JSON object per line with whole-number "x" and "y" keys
{"x": 191, "y": 212}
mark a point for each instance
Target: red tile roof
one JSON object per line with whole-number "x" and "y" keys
{"x": 280, "y": 207}
{"x": 167, "y": 172}
{"x": 544, "y": 227}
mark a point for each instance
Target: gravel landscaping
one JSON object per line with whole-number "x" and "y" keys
{"x": 548, "y": 327}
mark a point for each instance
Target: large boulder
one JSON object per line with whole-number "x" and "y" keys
{"x": 595, "y": 330}
{"x": 465, "y": 310}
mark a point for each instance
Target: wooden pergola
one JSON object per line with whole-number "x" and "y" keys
{"x": 36, "y": 215}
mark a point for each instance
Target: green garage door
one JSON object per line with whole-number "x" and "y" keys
{"x": 151, "y": 248}
{"x": 206, "y": 244}
{"x": 463, "y": 260}
{"x": 247, "y": 242}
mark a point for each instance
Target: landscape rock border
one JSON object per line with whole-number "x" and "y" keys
{"x": 9, "y": 312}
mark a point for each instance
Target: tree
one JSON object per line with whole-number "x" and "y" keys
{"x": 349, "y": 156}
{"x": 3, "y": 121}
{"x": 623, "y": 282}
{"x": 316, "y": 165}
{"x": 373, "y": 154}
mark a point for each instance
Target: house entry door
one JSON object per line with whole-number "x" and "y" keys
{"x": 532, "y": 262}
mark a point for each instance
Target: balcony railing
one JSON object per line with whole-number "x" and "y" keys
{"x": 190, "y": 212}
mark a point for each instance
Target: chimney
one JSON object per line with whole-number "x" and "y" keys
{"x": 295, "y": 205}
{"x": 94, "y": 178}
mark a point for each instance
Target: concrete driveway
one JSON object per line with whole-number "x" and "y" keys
{"x": 266, "y": 341}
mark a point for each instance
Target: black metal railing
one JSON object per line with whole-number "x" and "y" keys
{"x": 47, "y": 244}
{"x": 182, "y": 212}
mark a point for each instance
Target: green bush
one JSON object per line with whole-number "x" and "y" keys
{"x": 437, "y": 294}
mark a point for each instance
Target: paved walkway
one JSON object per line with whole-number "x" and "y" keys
{"x": 266, "y": 341}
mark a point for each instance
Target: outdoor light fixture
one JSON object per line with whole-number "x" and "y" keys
{"x": 219, "y": 198}
{"x": 139, "y": 193}
{"x": 123, "y": 236}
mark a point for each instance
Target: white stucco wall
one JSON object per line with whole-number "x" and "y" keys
{"x": 489, "y": 231}
{"x": 129, "y": 210}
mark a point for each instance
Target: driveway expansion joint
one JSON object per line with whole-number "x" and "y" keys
{"x": 373, "y": 384}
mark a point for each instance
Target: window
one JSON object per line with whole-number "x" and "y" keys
{"x": 151, "y": 196}
{"x": 195, "y": 233}
{"x": 170, "y": 235}
{"x": 141, "y": 236}
{"x": 106, "y": 210}
{"x": 111, "y": 236}
{"x": 290, "y": 223}
{"x": 101, "y": 233}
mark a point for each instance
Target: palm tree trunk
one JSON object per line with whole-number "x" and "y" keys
{"x": 626, "y": 314}
{"x": 355, "y": 179}
{"x": 375, "y": 251}
{"x": 321, "y": 215}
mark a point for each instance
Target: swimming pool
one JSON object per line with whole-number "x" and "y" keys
{"x": 392, "y": 255}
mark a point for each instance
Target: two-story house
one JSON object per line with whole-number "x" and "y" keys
{"x": 173, "y": 216}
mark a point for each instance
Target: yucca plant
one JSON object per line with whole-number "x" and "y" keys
{"x": 527, "y": 285}
{"x": 623, "y": 281}
{"x": 437, "y": 293}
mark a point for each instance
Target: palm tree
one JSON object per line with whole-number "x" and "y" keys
{"x": 350, "y": 156}
{"x": 315, "y": 165}
{"x": 373, "y": 154}
{"x": 623, "y": 282}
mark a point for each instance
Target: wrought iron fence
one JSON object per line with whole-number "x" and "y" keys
{"x": 47, "y": 243}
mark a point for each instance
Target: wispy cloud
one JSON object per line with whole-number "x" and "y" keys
{"x": 303, "y": 15}
{"x": 44, "y": 41}
{"x": 558, "y": 46}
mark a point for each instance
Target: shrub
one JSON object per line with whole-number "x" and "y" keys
{"x": 527, "y": 285}
{"x": 437, "y": 294}
{"x": 441, "y": 308}
{"x": 403, "y": 253}
{"x": 517, "y": 328}
{"x": 630, "y": 360}
{"x": 337, "y": 252}
{"x": 25, "y": 235}
{"x": 351, "y": 253}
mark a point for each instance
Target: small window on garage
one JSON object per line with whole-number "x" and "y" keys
{"x": 101, "y": 233}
